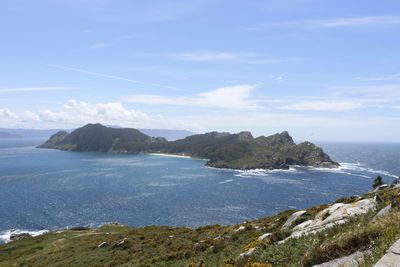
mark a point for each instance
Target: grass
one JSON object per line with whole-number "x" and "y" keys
{"x": 214, "y": 245}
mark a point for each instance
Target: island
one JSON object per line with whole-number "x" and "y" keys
{"x": 222, "y": 150}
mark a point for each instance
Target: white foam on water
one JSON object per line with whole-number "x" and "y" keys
{"x": 226, "y": 181}
{"x": 5, "y": 235}
{"x": 359, "y": 167}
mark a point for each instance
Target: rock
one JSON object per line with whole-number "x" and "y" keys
{"x": 264, "y": 236}
{"x": 15, "y": 237}
{"x": 102, "y": 245}
{"x": 113, "y": 224}
{"x": 248, "y": 253}
{"x": 352, "y": 260}
{"x": 383, "y": 212}
{"x": 336, "y": 214}
{"x": 121, "y": 243}
{"x": 302, "y": 225}
{"x": 241, "y": 228}
{"x": 381, "y": 187}
{"x": 218, "y": 237}
{"x": 292, "y": 218}
{"x": 391, "y": 258}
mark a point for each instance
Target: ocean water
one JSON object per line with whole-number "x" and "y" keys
{"x": 42, "y": 189}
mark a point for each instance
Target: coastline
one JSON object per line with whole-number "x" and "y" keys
{"x": 169, "y": 155}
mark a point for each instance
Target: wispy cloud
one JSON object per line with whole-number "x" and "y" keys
{"x": 209, "y": 56}
{"x": 108, "y": 76}
{"x": 331, "y": 23}
{"x": 329, "y": 105}
{"x": 391, "y": 77}
{"x": 28, "y": 89}
{"x": 99, "y": 45}
{"x": 116, "y": 40}
{"x": 237, "y": 97}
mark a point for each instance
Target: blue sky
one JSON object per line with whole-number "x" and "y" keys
{"x": 321, "y": 69}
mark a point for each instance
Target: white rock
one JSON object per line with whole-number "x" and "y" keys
{"x": 103, "y": 244}
{"x": 264, "y": 236}
{"x": 336, "y": 214}
{"x": 241, "y": 228}
{"x": 302, "y": 225}
{"x": 247, "y": 253}
{"x": 292, "y": 218}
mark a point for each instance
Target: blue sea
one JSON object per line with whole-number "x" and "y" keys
{"x": 43, "y": 189}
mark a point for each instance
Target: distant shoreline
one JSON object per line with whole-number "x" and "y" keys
{"x": 169, "y": 155}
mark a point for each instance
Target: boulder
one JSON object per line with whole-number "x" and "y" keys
{"x": 292, "y": 218}
{"x": 383, "y": 212}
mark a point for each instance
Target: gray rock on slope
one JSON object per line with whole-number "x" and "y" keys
{"x": 391, "y": 258}
{"x": 338, "y": 213}
{"x": 383, "y": 212}
{"x": 352, "y": 260}
{"x": 291, "y": 219}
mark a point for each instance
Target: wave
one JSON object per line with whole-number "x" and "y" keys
{"x": 359, "y": 167}
{"x": 226, "y": 181}
{"x": 6, "y": 235}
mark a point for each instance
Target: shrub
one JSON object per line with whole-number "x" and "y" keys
{"x": 377, "y": 182}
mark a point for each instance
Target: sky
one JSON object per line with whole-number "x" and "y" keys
{"x": 325, "y": 70}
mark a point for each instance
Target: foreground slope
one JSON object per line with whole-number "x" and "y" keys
{"x": 263, "y": 242}
{"x": 223, "y": 150}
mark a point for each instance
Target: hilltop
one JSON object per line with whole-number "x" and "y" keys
{"x": 357, "y": 228}
{"x": 222, "y": 150}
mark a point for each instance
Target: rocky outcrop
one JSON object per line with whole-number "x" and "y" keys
{"x": 292, "y": 218}
{"x": 337, "y": 213}
{"x": 383, "y": 212}
{"x": 352, "y": 260}
{"x": 15, "y": 237}
{"x": 391, "y": 258}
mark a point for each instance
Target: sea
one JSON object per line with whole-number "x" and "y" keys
{"x": 43, "y": 189}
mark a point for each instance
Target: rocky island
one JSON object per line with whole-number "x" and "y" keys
{"x": 222, "y": 150}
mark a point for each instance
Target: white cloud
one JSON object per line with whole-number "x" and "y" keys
{"x": 322, "y": 105}
{"x": 237, "y": 97}
{"x": 74, "y": 114}
{"x": 391, "y": 77}
{"x": 27, "y": 89}
{"x": 207, "y": 56}
{"x": 332, "y": 23}
{"x": 99, "y": 45}
{"x": 6, "y": 114}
